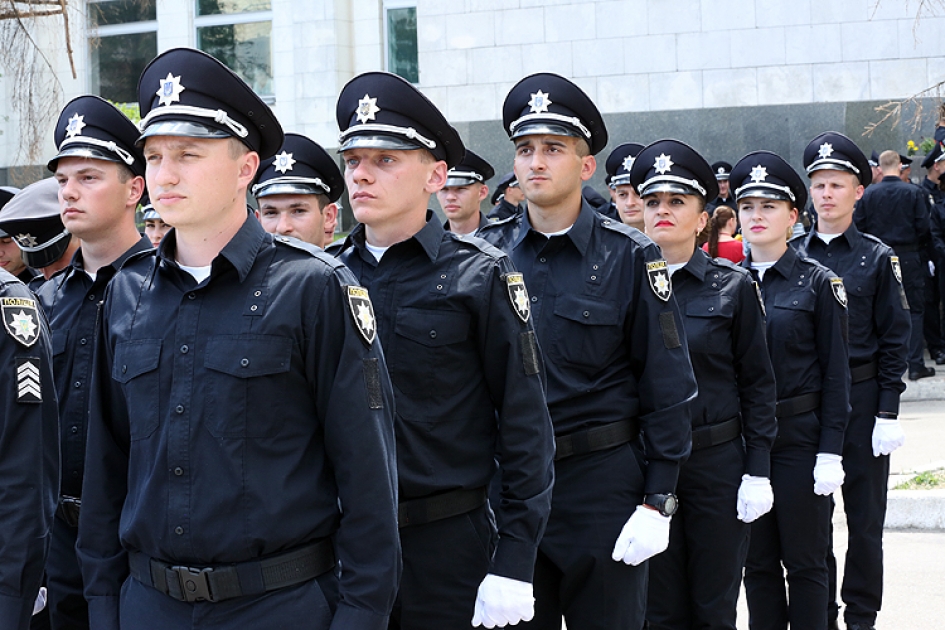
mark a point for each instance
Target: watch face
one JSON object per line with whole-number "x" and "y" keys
{"x": 670, "y": 505}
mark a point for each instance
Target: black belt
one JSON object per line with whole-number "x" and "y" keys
{"x": 864, "y": 372}
{"x": 68, "y": 510}
{"x": 217, "y": 583}
{"x": 439, "y": 506}
{"x": 715, "y": 434}
{"x": 798, "y": 405}
{"x": 596, "y": 439}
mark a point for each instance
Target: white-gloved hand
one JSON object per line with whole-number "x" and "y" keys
{"x": 887, "y": 436}
{"x": 755, "y": 498}
{"x": 40, "y": 602}
{"x": 645, "y": 534}
{"x": 503, "y": 601}
{"x": 828, "y": 473}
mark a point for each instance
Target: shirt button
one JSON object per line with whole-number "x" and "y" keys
{"x": 586, "y": 313}
{"x": 593, "y": 277}
{"x": 596, "y": 267}
{"x": 542, "y": 259}
{"x": 432, "y": 334}
{"x": 442, "y": 276}
{"x": 711, "y": 308}
{"x": 253, "y": 308}
{"x": 124, "y": 369}
{"x": 83, "y": 341}
{"x": 715, "y": 285}
{"x": 439, "y": 287}
{"x": 244, "y": 362}
{"x": 534, "y": 298}
{"x": 184, "y": 349}
{"x": 257, "y": 293}
{"x": 75, "y": 429}
{"x": 795, "y": 302}
{"x": 91, "y": 298}
{"x": 191, "y": 296}
{"x": 77, "y": 384}
{"x": 180, "y": 408}
{"x": 178, "y": 471}
{"x": 179, "y": 530}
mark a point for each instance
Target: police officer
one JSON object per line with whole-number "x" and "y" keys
{"x": 464, "y": 191}
{"x": 506, "y": 199}
{"x": 905, "y": 168}
{"x": 934, "y": 163}
{"x": 805, "y": 307}
{"x": 240, "y": 401}
{"x": 878, "y": 342}
{"x": 297, "y": 190}
{"x": 33, "y": 221}
{"x": 11, "y": 258}
{"x": 101, "y": 178}
{"x": 154, "y": 226}
{"x": 723, "y": 171}
{"x": 627, "y": 201}
{"x": 724, "y": 485}
{"x": 898, "y": 213}
{"x": 617, "y": 363}
{"x": 29, "y": 450}
{"x": 455, "y": 321}
{"x": 874, "y": 167}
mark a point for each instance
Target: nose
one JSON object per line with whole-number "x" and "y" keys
{"x": 67, "y": 191}
{"x": 284, "y": 226}
{"x": 161, "y": 173}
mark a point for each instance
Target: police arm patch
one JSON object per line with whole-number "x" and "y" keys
{"x": 897, "y": 270}
{"x": 28, "y": 383}
{"x": 657, "y": 274}
{"x": 839, "y": 291}
{"x": 518, "y": 295}
{"x": 362, "y": 312}
{"x": 20, "y": 319}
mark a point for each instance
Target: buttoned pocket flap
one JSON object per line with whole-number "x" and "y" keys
{"x": 134, "y": 358}
{"x": 248, "y": 356}
{"x": 709, "y": 307}
{"x": 587, "y": 310}
{"x": 432, "y": 328}
{"x": 795, "y": 301}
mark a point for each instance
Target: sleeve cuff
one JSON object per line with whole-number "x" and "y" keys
{"x": 514, "y": 559}
{"x": 758, "y": 462}
{"x": 103, "y": 613}
{"x": 350, "y": 618}
{"x": 661, "y": 477}
{"x": 889, "y": 401}
{"x": 831, "y": 441}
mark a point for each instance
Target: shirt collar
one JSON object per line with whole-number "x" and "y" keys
{"x": 142, "y": 245}
{"x": 240, "y": 251}
{"x": 580, "y": 232}
{"x": 786, "y": 263}
{"x": 698, "y": 264}
{"x": 429, "y": 237}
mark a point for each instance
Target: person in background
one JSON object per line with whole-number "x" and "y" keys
{"x": 627, "y": 201}
{"x": 722, "y": 242}
{"x": 154, "y": 227}
{"x": 463, "y": 193}
{"x": 506, "y": 199}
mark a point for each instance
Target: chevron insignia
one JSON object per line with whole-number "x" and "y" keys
{"x": 28, "y": 388}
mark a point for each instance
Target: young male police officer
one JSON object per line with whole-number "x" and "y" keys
{"x": 455, "y": 322}
{"x": 878, "y": 340}
{"x": 241, "y": 438}
{"x": 617, "y": 363}
{"x": 465, "y": 189}
{"x": 101, "y": 178}
{"x": 296, "y": 190}
{"x": 626, "y": 200}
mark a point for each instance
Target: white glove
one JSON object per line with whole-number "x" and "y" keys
{"x": 828, "y": 473}
{"x": 931, "y": 268}
{"x": 40, "y": 602}
{"x": 755, "y": 498}
{"x": 503, "y": 601}
{"x": 887, "y": 436}
{"x": 645, "y": 534}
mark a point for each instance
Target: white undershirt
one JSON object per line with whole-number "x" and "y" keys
{"x": 90, "y": 274}
{"x": 826, "y": 238}
{"x": 559, "y": 233}
{"x": 674, "y": 268}
{"x": 762, "y": 267}
{"x": 199, "y": 273}
{"x": 377, "y": 252}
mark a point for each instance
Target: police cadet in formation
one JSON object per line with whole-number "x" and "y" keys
{"x": 806, "y": 323}
{"x": 32, "y": 218}
{"x": 932, "y": 330}
{"x": 873, "y": 161}
{"x": 464, "y": 191}
{"x": 241, "y": 460}
{"x": 154, "y": 226}
{"x": 905, "y": 168}
{"x": 725, "y": 197}
{"x": 628, "y": 203}
{"x": 11, "y": 258}
{"x": 101, "y": 178}
{"x": 297, "y": 190}
{"x": 724, "y": 485}
{"x": 878, "y": 342}
{"x": 898, "y": 214}
{"x": 455, "y": 322}
{"x": 29, "y": 451}
{"x": 506, "y": 199}
{"x": 617, "y": 363}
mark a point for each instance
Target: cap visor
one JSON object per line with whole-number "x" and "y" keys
{"x": 375, "y": 141}
{"x": 764, "y": 193}
{"x": 284, "y": 188}
{"x": 182, "y": 128}
{"x": 670, "y": 187}
{"x": 544, "y": 128}
{"x": 83, "y": 151}
{"x": 459, "y": 181}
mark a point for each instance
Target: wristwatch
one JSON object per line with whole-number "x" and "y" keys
{"x": 665, "y": 504}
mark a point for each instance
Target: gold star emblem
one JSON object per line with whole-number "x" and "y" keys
{"x": 26, "y": 240}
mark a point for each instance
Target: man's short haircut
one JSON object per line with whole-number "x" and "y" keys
{"x": 237, "y": 148}
{"x": 889, "y": 160}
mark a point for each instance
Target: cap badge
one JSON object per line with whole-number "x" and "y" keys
{"x": 367, "y": 109}
{"x": 663, "y": 164}
{"x": 539, "y": 102}
{"x": 826, "y": 150}
{"x": 628, "y": 162}
{"x": 759, "y": 174}
{"x": 26, "y": 240}
{"x": 74, "y": 126}
{"x": 721, "y": 170}
{"x": 284, "y": 162}
{"x": 170, "y": 90}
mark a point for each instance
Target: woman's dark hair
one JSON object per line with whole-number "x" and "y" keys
{"x": 721, "y": 216}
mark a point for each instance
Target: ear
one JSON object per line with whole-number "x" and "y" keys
{"x": 859, "y": 192}
{"x": 437, "y": 177}
{"x": 588, "y": 166}
{"x": 248, "y": 163}
{"x": 330, "y": 211}
{"x": 703, "y": 220}
{"x": 135, "y": 190}
{"x": 483, "y": 192}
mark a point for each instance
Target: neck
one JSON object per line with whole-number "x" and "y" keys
{"x": 769, "y": 252}
{"x": 197, "y": 246}
{"x": 677, "y": 253}
{"x": 891, "y": 174}
{"x": 50, "y": 270}
{"x": 465, "y": 226}
{"x": 837, "y": 226}
{"x": 933, "y": 177}
{"x": 723, "y": 237}
{"x": 98, "y": 253}
{"x": 387, "y": 234}
{"x": 561, "y": 216}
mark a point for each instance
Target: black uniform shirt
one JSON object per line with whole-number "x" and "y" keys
{"x": 895, "y": 212}
{"x": 71, "y": 301}
{"x": 725, "y": 328}
{"x": 503, "y": 210}
{"x": 938, "y": 235}
{"x": 29, "y": 451}
{"x": 446, "y": 226}
{"x": 614, "y": 348}
{"x": 235, "y": 419}
{"x": 806, "y": 331}
{"x": 461, "y": 359}
{"x": 935, "y": 194}
{"x": 878, "y": 320}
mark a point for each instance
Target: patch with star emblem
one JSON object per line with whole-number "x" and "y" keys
{"x": 362, "y": 312}
{"x": 897, "y": 270}
{"x": 28, "y": 384}
{"x": 518, "y": 295}
{"x": 20, "y": 319}
{"x": 839, "y": 291}
{"x": 658, "y": 274}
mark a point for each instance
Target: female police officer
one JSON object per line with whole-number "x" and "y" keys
{"x": 806, "y": 332}
{"x": 724, "y": 484}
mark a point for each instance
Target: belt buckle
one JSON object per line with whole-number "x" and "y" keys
{"x": 194, "y": 583}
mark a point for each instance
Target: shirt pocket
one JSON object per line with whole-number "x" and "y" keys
{"x": 708, "y": 325}
{"x": 793, "y": 316}
{"x": 426, "y": 344}
{"x": 135, "y": 368}
{"x": 246, "y": 389}
{"x": 587, "y": 331}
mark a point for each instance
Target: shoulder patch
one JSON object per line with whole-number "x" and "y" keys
{"x": 897, "y": 270}
{"x": 657, "y": 273}
{"x": 362, "y": 312}
{"x": 518, "y": 295}
{"x": 28, "y": 383}
{"x": 20, "y": 319}
{"x": 839, "y": 291}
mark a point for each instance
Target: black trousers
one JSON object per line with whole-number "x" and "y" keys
{"x": 695, "y": 582}
{"x": 68, "y": 609}
{"x": 864, "y": 502}
{"x": 932, "y": 319}
{"x": 913, "y": 283}
{"x": 444, "y": 563}
{"x": 794, "y": 534}
{"x": 575, "y": 576}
